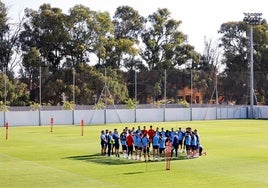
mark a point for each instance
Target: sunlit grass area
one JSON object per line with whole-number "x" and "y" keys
{"x": 36, "y": 157}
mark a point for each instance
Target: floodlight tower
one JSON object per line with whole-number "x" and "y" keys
{"x": 252, "y": 19}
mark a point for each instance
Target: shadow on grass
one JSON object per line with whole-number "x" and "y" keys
{"x": 132, "y": 173}
{"x": 98, "y": 158}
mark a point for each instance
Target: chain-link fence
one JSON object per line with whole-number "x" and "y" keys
{"x": 112, "y": 88}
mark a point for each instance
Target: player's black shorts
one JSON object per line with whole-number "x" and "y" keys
{"x": 116, "y": 145}
{"x": 194, "y": 147}
{"x": 130, "y": 148}
{"x": 146, "y": 150}
{"x": 188, "y": 147}
{"x": 155, "y": 147}
{"x": 103, "y": 144}
{"x": 161, "y": 150}
{"x": 124, "y": 147}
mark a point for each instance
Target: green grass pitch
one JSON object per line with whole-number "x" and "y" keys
{"x": 36, "y": 157}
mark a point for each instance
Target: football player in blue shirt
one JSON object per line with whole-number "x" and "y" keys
{"x": 123, "y": 139}
{"x": 181, "y": 135}
{"x": 139, "y": 144}
{"x": 116, "y": 142}
{"x": 145, "y": 146}
{"x": 156, "y": 146}
{"x": 162, "y": 144}
{"x": 188, "y": 143}
{"x": 103, "y": 142}
{"x": 175, "y": 144}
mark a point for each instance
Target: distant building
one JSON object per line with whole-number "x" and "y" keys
{"x": 185, "y": 94}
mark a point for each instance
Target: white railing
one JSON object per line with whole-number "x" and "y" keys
{"x": 66, "y": 117}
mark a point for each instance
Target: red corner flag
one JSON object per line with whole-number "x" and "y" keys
{"x": 6, "y": 130}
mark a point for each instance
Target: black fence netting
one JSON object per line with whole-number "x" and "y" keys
{"x": 138, "y": 89}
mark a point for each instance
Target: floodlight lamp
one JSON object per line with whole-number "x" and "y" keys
{"x": 252, "y": 18}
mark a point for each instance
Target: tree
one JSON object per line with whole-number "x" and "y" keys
{"x": 43, "y": 44}
{"x": 90, "y": 85}
{"x": 211, "y": 58}
{"x": 209, "y": 67}
{"x": 15, "y": 91}
{"x": 31, "y": 62}
{"x": 235, "y": 56}
{"x": 5, "y": 57}
{"x": 165, "y": 45}
{"x": 3, "y": 19}
{"x": 235, "y": 44}
{"x": 46, "y": 29}
{"x": 8, "y": 42}
{"x": 128, "y": 25}
{"x": 89, "y": 32}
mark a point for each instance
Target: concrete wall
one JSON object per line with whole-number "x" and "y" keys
{"x": 65, "y": 117}
{"x": 261, "y": 112}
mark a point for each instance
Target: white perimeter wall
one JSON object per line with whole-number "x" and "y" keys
{"x": 65, "y": 117}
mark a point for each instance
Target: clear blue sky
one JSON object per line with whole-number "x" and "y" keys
{"x": 200, "y": 18}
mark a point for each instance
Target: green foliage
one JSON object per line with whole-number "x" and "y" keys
{"x": 233, "y": 35}
{"x": 24, "y": 100}
{"x": 3, "y": 17}
{"x": 3, "y": 107}
{"x": 262, "y": 99}
{"x": 159, "y": 103}
{"x": 92, "y": 29}
{"x": 68, "y": 105}
{"x": 99, "y": 105}
{"x": 34, "y": 106}
{"x": 156, "y": 90}
{"x": 131, "y": 104}
{"x": 46, "y": 30}
{"x": 165, "y": 45}
{"x": 14, "y": 91}
{"x": 8, "y": 41}
{"x": 90, "y": 83}
{"x": 54, "y": 90}
{"x": 116, "y": 87}
{"x": 183, "y": 103}
{"x": 128, "y": 25}
{"x": 235, "y": 43}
